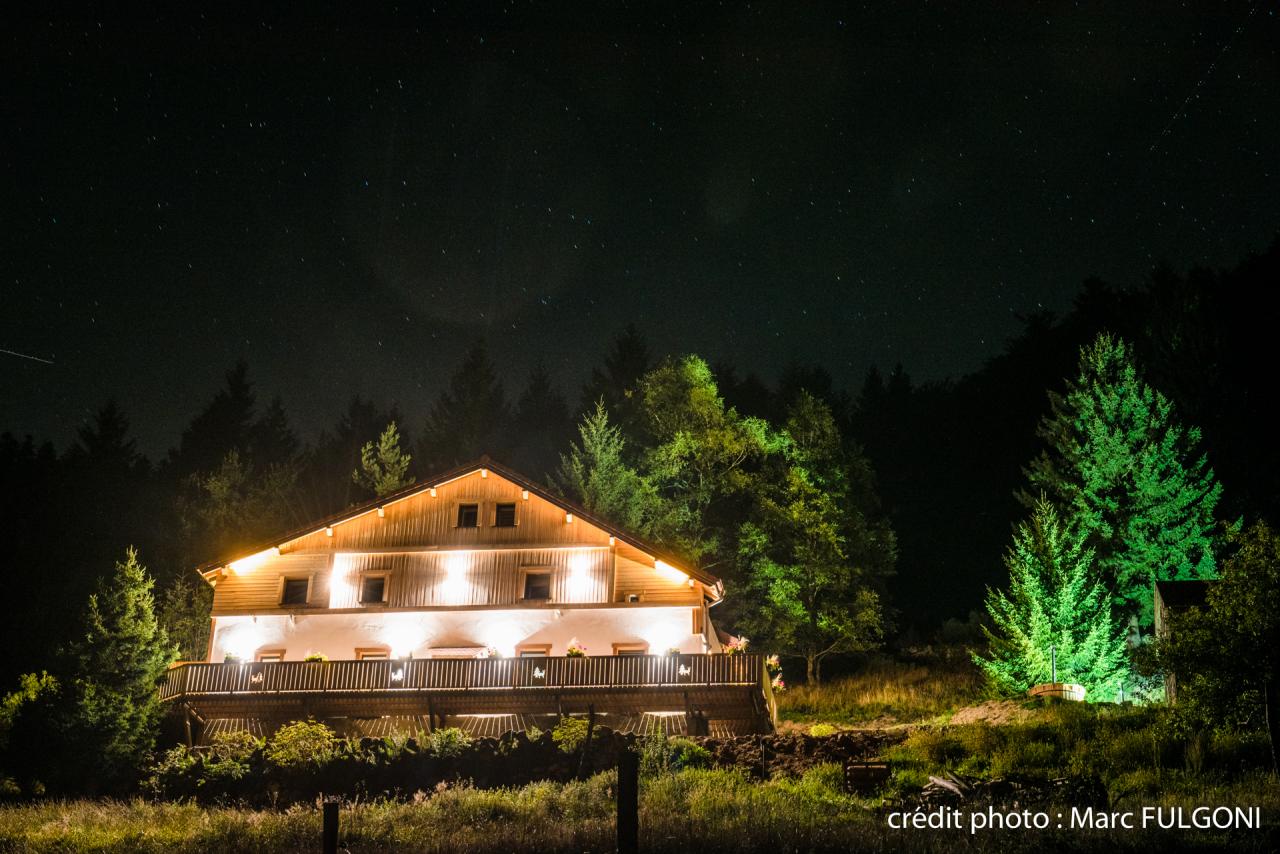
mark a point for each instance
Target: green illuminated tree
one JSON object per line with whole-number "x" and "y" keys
{"x": 1055, "y": 606}
{"x": 384, "y": 468}
{"x": 700, "y": 456}
{"x": 816, "y": 549}
{"x": 1129, "y": 475}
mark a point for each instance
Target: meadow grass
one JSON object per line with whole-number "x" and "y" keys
{"x": 703, "y": 810}
{"x": 885, "y": 692}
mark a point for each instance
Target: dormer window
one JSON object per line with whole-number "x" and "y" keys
{"x": 293, "y": 591}
{"x": 468, "y": 515}
{"x": 504, "y": 515}
{"x": 373, "y": 590}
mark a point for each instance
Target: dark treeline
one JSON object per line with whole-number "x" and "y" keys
{"x": 947, "y": 457}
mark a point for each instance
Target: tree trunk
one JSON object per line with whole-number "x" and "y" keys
{"x": 1271, "y": 706}
{"x": 811, "y": 669}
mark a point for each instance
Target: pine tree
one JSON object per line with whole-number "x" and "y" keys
{"x": 385, "y": 468}
{"x": 114, "y": 669}
{"x": 596, "y": 475}
{"x": 539, "y": 425}
{"x": 468, "y": 419}
{"x": 1056, "y": 607}
{"x": 1130, "y": 475}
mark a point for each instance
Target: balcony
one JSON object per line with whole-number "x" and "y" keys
{"x": 734, "y": 687}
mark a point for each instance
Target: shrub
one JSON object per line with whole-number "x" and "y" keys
{"x": 934, "y": 747}
{"x": 301, "y": 743}
{"x": 448, "y": 743}
{"x": 822, "y": 730}
{"x": 661, "y": 755}
{"x": 316, "y": 656}
{"x": 172, "y": 774}
{"x": 236, "y": 746}
{"x": 570, "y": 733}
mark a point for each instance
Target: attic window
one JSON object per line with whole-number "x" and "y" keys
{"x": 504, "y": 515}
{"x": 373, "y": 590}
{"x": 294, "y": 591}
{"x": 468, "y": 515}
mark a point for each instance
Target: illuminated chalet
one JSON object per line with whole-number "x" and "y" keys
{"x": 456, "y": 601}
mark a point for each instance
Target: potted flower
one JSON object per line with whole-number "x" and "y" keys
{"x": 675, "y": 650}
{"x": 316, "y": 656}
{"x": 576, "y": 649}
{"x": 489, "y": 652}
{"x": 736, "y": 646}
{"x": 773, "y": 664}
{"x": 777, "y": 684}
{"x": 232, "y": 658}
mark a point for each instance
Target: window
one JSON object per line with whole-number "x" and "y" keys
{"x": 271, "y": 655}
{"x": 534, "y": 650}
{"x": 504, "y": 515}
{"x": 372, "y": 653}
{"x": 373, "y": 589}
{"x": 537, "y": 585}
{"x": 468, "y": 515}
{"x": 294, "y": 591}
{"x": 630, "y": 649}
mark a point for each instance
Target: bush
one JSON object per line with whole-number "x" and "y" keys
{"x": 448, "y": 743}
{"x": 302, "y": 743}
{"x": 234, "y": 746}
{"x": 822, "y": 730}
{"x": 570, "y": 733}
{"x": 662, "y": 755}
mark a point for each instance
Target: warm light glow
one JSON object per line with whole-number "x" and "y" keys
{"x": 670, "y": 573}
{"x": 403, "y": 633}
{"x": 612, "y": 540}
{"x": 568, "y": 518}
{"x": 382, "y": 512}
{"x": 245, "y": 565}
{"x": 328, "y": 532}
{"x": 503, "y": 636}
{"x": 579, "y": 582}
{"x": 433, "y": 492}
{"x": 663, "y": 634}
{"x": 342, "y": 590}
{"x": 484, "y": 473}
{"x": 524, "y": 493}
{"x": 453, "y": 588}
{"x": 242, "y": 640}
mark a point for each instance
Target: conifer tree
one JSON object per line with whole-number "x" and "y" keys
{"x": 468, "y": 419}
{"x": 1056, "y": 608}
{"x": 384, "y": 468}
{"x": 1129, "y": 475}
{"x": 596, "y": 475}
{"x": 114, "y": 669}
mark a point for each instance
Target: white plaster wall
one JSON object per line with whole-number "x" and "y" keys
{"x": 415, "y": 633}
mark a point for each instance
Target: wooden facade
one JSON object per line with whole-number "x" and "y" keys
{"x": 450, "y": 582}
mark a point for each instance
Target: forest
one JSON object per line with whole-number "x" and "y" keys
{"x": 844, "y": 521}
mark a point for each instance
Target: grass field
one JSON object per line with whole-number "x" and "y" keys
{"x": 1131, "y": 752}
{"x": 885, "y": 692}
{"x": 709, "y": 811}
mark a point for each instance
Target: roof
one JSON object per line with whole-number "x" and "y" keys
{"x": 1182, "y": 594}
{"x": 453, "y": 474}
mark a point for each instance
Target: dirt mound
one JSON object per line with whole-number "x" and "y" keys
{"x": 993, "y": 712}
{"x": 793, "y": 753}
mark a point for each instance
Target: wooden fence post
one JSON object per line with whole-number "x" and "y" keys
{"x": 329, "y": 838}
{"x": 628, "y": 802}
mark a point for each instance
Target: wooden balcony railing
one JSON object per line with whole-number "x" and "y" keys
{"x": 473, "y": 674}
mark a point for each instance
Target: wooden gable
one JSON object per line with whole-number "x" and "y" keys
{"x": 414, "y": 537}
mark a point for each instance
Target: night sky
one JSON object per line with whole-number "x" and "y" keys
{"x": 349, "y": 205}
